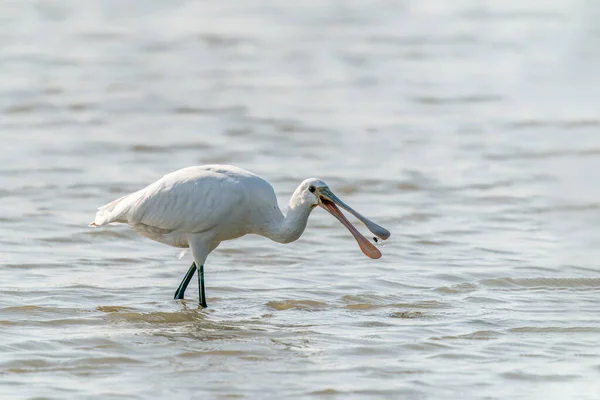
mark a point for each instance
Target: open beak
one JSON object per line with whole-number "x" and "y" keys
{"x": 330, "y": 201}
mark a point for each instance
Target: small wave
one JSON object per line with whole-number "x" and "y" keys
{"x": 31, "y": 309}
{"x": 111, "y": 233}
{"x": 556, "y": 329}
{"x": 407, "y": 314}
{"x": 26, "y": 266}
{"x": 106, "y": 361}
{"x": 473, "y": 99}
{"x": 212, "y": 353}
{"x": 477, "y": 335}
{"x": 526, "y": 376}
{"x": 209, "y": 110}
{"x": 325, "y": 392}
{"x": 24, "y": 366}
{"x": 585, "y": 207}
{"x": 158, "y": 317}
{"x": 542, "y": 282}
{"x": 429, "y": 242}
{"x": 62, "y": 239}
{"x": 296, "y": 304}
{"x": 536, "y": 155}
{"x": 427, "y": 304}
{"x": 112, "y": 309}
{"x": 70, "y": 322}
{"x": 569, "y": 123}
{"x": 460, "y": 288}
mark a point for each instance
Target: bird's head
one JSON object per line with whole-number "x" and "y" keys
{"x": 315, "y": 192}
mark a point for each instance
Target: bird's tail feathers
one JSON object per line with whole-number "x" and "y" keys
{"x": 112, "y": 212}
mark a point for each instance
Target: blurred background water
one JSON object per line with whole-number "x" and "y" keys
{"x": 469, "y": 129}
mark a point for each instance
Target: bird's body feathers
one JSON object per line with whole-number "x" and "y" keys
{"x": 219, "y": 202}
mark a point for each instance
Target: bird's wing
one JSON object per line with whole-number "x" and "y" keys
{"x": 188, "y": 201}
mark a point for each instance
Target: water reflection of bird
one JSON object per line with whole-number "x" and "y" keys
{"x": 199, "y": 207}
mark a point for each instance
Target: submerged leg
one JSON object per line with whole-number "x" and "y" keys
{"x": 201, "y": 292}
{"x": 185, "y": 282}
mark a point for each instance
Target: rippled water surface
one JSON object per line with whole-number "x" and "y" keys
{"x": 470, "y": 129}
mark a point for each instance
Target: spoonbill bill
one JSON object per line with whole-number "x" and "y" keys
{"x": 199, "y": 207}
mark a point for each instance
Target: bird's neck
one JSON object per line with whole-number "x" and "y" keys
{"x": 289, "y": 228}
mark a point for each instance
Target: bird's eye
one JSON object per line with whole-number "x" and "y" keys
{"x": 311, "y": 189}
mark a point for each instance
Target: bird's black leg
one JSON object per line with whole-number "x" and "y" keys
{"x": 185, "y": 282}
{"x": 201, "y": 292}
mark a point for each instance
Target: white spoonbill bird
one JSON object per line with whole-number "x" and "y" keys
{"x": 199, "y": 207}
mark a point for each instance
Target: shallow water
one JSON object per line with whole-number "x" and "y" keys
{"x": 469, "y": 130}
